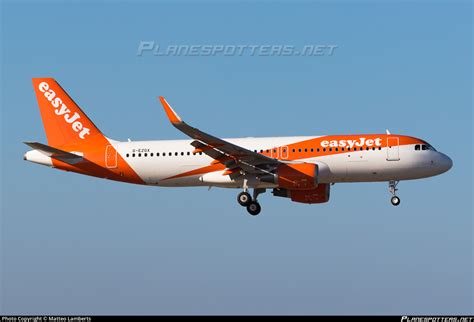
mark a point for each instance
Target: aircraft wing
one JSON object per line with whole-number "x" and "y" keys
{"x": 234, "y": 157}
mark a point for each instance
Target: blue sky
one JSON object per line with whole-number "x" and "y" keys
{"x": 75, "y": 245}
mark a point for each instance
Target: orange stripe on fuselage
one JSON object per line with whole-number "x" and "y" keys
{"x": 203, "y": 170}
{"x": 95, "y": 166}
{"x": 314, "y": 144}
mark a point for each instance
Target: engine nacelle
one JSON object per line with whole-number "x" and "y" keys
{"x": 320, "y": 194}
{"x": 299, "y": 176}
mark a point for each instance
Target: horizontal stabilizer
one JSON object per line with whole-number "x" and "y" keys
{"x": 67, "y": 157}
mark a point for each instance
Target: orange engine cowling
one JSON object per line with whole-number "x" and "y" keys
{"x": 320, "y": 194}
{"x": 300, "y": 176}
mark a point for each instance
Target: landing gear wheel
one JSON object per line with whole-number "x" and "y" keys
{"x": 244, "y": 199}
{"x": 392, "y": 187}
{"x": 254, "y": 208}
{"x": 395, "y": 200}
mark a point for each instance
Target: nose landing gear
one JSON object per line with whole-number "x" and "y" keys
{"x": 395, "y": 200}
{"x": 392, "y": 187}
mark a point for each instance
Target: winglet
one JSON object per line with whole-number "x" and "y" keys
{"x": 173, "y": 117}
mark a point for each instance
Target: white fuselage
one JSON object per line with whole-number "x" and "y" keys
{"x": 171, "y": 163}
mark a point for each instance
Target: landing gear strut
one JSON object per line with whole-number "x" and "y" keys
{"x": 245, "y": 200}
{"x": 392, "y": 187}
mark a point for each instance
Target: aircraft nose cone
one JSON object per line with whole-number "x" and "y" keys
{"x": 445, "y": 163}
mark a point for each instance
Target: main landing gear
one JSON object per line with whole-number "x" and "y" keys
{"x": 245, "y": 200}
{"x": 392, "y": 187}
{"x": 254, "y": 208}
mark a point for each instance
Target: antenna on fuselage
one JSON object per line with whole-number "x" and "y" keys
{"x": 388, "y": 132}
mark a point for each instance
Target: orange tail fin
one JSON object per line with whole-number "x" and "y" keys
{"x": 64, "y": 122}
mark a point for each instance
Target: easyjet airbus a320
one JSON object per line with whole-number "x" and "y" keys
{"x": 299, "y": 168}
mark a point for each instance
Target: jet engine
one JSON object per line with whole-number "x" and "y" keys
{"x": 320, "y": 194}
{"x": 298, "y": 176}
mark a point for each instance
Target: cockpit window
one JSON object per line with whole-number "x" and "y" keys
{"x": 424, "y": 147}
{"x": 429, "y": 147}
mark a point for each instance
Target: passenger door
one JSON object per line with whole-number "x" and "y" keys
{"x": 110, "y": 157}
{"x": 393, "y": 150}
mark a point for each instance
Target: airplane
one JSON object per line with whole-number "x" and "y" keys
{"x": 300, "y": 168}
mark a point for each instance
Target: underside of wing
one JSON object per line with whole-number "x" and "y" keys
{"x": 238, "y": 160}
